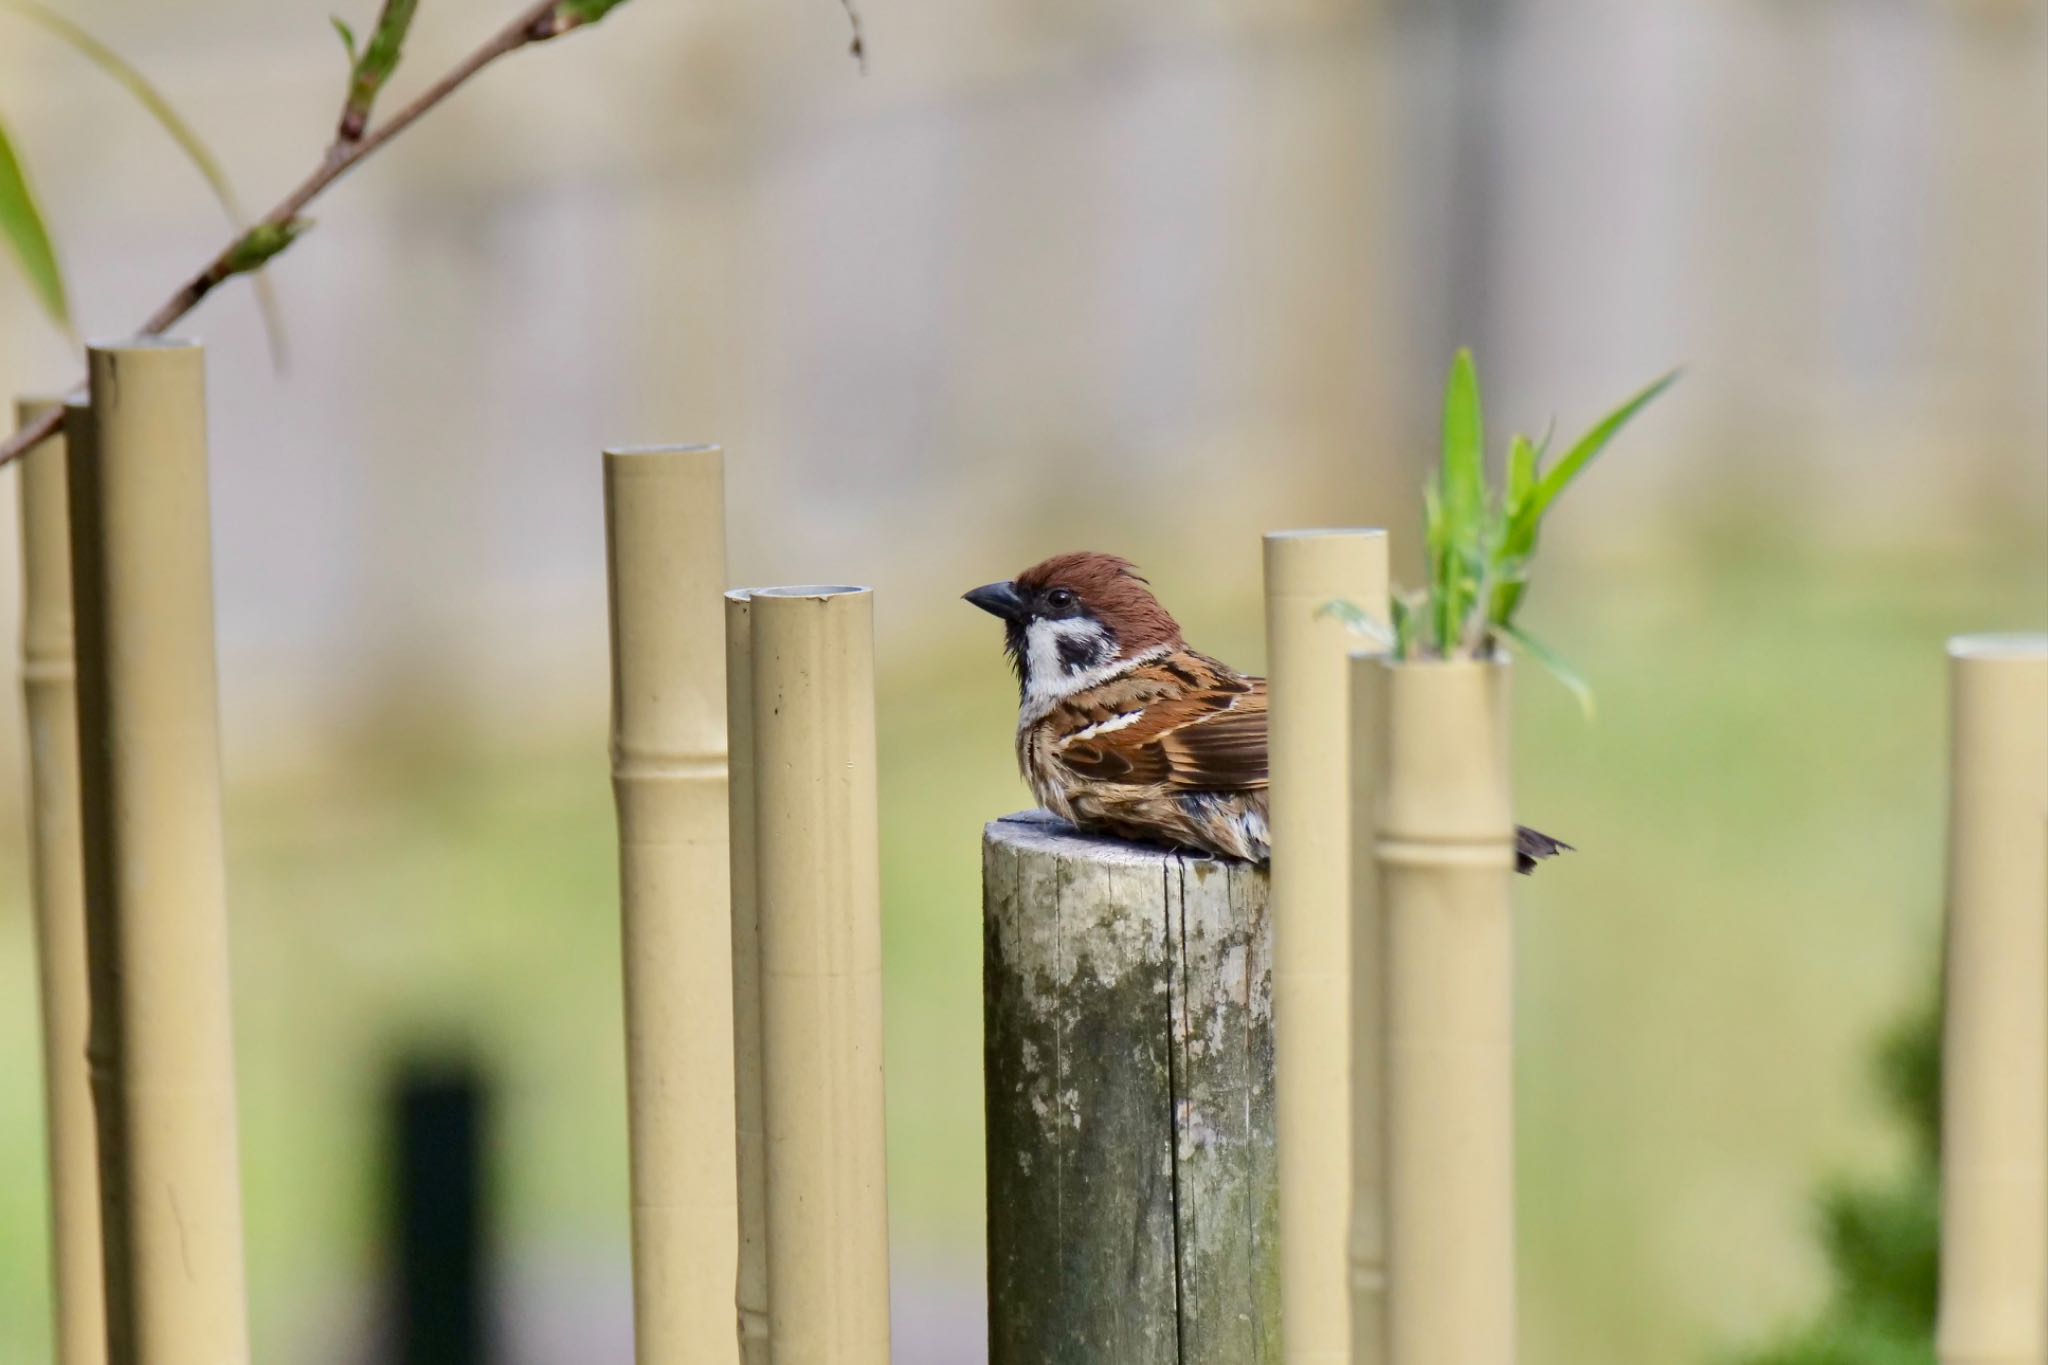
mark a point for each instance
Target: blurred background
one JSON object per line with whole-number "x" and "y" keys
{"x": 1151, "y": 278}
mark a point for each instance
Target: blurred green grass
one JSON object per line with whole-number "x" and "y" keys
{"x": 1758, "y": 810}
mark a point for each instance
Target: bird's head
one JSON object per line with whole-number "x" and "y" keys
{"x": 1074, "y": 620}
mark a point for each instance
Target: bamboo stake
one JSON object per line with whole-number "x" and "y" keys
{"x": 1306, "y": 660}
{"x": 1994, "y": 1119}
{"x": 149, "y": 767}
{"x": 1445, "y": 852}
{"x": 665, "y": 529}
{"x": 818, "y": 891}
{"x": 746, "y": 984}
{"x": 48, "y": 679}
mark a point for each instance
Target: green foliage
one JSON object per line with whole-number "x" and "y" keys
{"x": 348, "y": 38}
{"x": 572, "y": 13}
{"x": 28, "y": 236}
{"x": 260, "y": 243}
{"x": 1882, "y": 1239}
{"x": 1480, "y": 539}
{"x": 375, "y": 63}
{"x": 158, "y": 107}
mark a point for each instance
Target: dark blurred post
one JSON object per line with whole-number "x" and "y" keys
{"x": 439, "y": 1224}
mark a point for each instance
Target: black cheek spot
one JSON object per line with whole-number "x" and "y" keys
{"x": 1077, "y": 655}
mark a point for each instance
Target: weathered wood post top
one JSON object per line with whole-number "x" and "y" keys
{"x": 1132, "y": 1196}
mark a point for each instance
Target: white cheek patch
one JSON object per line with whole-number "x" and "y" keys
{"x": 1046, "y": 675}
{"x": 1047, "y": 678}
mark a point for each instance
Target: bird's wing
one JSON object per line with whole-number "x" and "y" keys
{"x": 1208, "y": 739}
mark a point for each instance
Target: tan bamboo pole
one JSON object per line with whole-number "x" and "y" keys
{"x": 665, "y": 532}
{"x": 149, "y": 769}
{"x": 746, "y": 984}
{"x": 48, "y": 680}
{"x": 818, "y": 891}
{"x": 1308, "y": 680}
{"x": 1445, "y": 851}
{"x": 1994, "y": 1119}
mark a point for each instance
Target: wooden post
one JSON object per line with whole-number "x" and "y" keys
{"x": 1132, "y": 1194}
{"x": 1446, "y": 853}
{"x": 48, "y": 680}
{"x": 162, "y": 1043}
{"x": 665, "y": 530}
{"x": 1307, "y": 656}
{"x": 1994, "y": 1117}
{"x": 817, "y": 890}
{"x": 751, "y": 1144}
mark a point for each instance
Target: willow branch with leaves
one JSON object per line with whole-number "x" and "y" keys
{"x": 356, "y": 138}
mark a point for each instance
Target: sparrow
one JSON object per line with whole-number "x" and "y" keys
{"x": 1123, "y": 729}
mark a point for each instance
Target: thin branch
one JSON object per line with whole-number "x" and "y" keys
{"x": 536, "y": 23}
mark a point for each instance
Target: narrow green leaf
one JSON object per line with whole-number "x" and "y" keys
{"x": 1521, "y": 474}
{"x": 1403, "y": 609}
{"x": 21, "y": 223}
{"x": 1464, "y": 501}
{"x": 1436, "y": 540}
{"x": 172, "y": 122}
{"x": 373, "y": 68}
{"x": 586, "y": 11}
{"x": 1592, "y": 443}
{"x": 348, "y": 37}
{"x": 1358, "y": 621}
{"x": 1526, "y": 524}
{"x": 1553, "y": 664}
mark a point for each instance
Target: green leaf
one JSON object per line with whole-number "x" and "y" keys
{"x": 1403, "y": 610}
{"x": 576, "y": 12}
{"x": 1552, "y": 664}
{"x": 1591, "y": 444}
{"x": 1436, "y": 539}
{"x": 348, "y": 37}
{"x": 379, "y": 59}
{"x": 1521, "y": 474}
{"x": 260, "y": 243}
{"x": 1358, "y": 621}
{"x": 1525, "y": 524}
{"x": 1463, "y": 479}
{"x": 171, "y": 121}
{"x": 21, "y": 223}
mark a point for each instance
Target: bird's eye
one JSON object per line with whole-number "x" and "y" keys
{"x": 1059, "y": 599}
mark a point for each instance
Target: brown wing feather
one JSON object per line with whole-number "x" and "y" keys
{"x": 1211, "y": 740}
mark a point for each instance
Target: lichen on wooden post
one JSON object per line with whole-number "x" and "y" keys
{"x": 1132, "y": 1194}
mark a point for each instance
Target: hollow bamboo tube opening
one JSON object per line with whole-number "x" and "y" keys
{"x": 1444, "y": 849}
{"x": 48, "y": 678}
{"x": 665, "y": 534}
{"x": 1316, "y": 1084}
{"x": 162, "y": 1036}
{"x": 1994, "y": 1131}
{"x": 818, "y": 893}
{"x": 746, "y": 984}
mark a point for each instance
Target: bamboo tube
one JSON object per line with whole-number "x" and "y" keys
{"x": 1445, "y": 852}
{"x": 1308, "y": 675}
{"x": 746, "y": 984}
{"x": 149, "y": 768}
{"x": 1994, "y": 1119}
{"x": 818, "y": 891}
{"x": 48, "y": 679}
{"x": 665, "y": 530}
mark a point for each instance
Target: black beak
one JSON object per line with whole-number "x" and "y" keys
{"x": 998, "y": 599}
